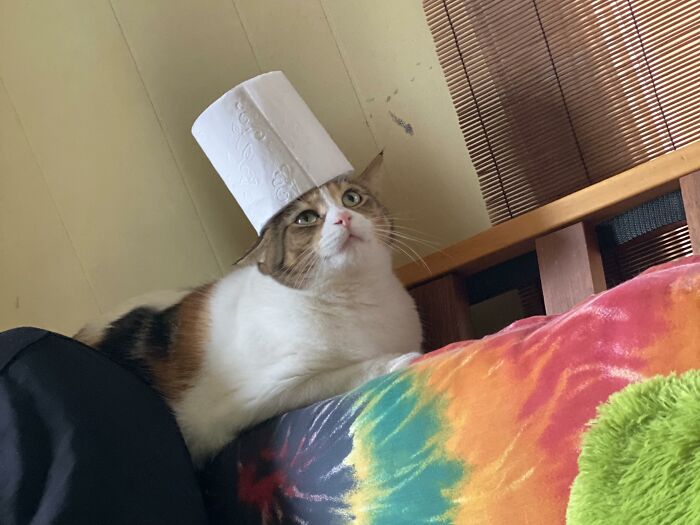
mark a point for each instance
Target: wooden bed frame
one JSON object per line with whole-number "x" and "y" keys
{"x": 562, "y": 235}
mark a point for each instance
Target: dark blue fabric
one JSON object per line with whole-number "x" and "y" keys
{"x": 286, "y": 471}
{"x": 640, "y": 220}
{"x": 84, "y": 441}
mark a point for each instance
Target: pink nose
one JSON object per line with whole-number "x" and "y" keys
{"x": 343, "y": 218}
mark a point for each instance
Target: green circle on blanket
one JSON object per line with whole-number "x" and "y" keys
{"x": 640, "y": 462}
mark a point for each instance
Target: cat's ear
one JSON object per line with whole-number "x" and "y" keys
{"x": 267, "y": 252}
{"x": 251, "y": 256}
{"x": 257, "y": 253}
{"x": 370, "y": 177}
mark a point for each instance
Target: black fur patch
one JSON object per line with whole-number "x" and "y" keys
{"x": 138, "y": 335}
{"x": 161, "y": 332}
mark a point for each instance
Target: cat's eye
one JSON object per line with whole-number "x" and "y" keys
{"x": 307, "y": 217}
{"x": 351, "y": 199}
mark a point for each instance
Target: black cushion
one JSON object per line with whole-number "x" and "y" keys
{"x": 84, "y": 441}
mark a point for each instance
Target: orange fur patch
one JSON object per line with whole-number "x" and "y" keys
{"x": 175, "y": 374}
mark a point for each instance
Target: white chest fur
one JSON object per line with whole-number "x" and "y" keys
{"x": 273, "y": 348}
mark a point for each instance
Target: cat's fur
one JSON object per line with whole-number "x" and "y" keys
{"x": 312, "y": 311}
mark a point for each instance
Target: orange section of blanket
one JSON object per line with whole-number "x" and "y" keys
{"x": 515, "y": 404}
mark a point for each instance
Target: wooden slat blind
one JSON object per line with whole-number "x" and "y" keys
{"x": 553, "y": 95}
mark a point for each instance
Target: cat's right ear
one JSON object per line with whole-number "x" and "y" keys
{"x": 369, "y": 178}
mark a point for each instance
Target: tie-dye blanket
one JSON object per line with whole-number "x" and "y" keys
{"x": 480, "y": 432}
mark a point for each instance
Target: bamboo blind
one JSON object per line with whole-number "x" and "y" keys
{"x": 553, "y": 95}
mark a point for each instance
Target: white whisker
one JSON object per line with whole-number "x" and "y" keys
{"x": 418, "y": 255}
{"x": 410, "y": 238}
{"x": 404, "y": 248}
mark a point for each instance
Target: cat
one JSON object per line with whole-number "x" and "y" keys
{"x": 313, "y": 310}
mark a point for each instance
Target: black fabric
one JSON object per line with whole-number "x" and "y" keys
{"x": 84, "y": 441}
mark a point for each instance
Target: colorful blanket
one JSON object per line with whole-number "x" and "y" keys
{"x": 480, "y": 432}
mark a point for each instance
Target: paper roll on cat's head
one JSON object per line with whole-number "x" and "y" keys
{"x": 267, "y": 146}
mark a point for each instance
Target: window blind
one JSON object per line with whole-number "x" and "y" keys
{"x": 554, "y": 95}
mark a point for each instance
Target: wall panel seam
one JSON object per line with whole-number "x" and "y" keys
{"x": 351, "y": 77}
{"x": 247, "y": 34}
{"x": 42, "y": 173}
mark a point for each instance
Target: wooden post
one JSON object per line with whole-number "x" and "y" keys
{"x": 444, "y": 310}
{"x": 690, "y": 189}
{"x": 570, "y": 267}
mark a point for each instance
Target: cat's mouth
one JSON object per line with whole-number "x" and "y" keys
{"x": 352, "y": 238}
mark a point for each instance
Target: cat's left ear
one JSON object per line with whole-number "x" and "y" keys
{"x": 270, "y": 250}
{"x": 266, "y": 252}
{"x": 370, "y": 177}
{"x": 254, "y": 253}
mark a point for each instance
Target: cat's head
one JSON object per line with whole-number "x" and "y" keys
{"x": 336, "y": 230}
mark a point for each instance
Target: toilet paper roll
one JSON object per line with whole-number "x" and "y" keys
{"x": 267, "y": 146}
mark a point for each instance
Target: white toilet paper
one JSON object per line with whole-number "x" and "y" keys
{"x": 267, "y": 146}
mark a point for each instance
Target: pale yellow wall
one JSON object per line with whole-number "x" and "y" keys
{"x": 103, "y": 192}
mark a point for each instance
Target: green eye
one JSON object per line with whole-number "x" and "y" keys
{"x": 305, "y": 218}
{"x": 351, "y": 199}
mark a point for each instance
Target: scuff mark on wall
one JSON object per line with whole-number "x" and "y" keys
{"x": 401, "y": 122}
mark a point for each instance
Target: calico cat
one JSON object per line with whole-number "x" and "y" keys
{"x": 313, "y": 310}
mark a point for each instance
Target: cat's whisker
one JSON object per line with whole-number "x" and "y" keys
{"x": 289, "y": 269}
{"x": 398, "y": 236}
{"x": 415, "y": 231}
{"x": 410, "y": 237}
{"x": 425, "y": 242}
{"x": 404, "y": 248}
{"x": 305, "y": 256}
{"x": 403, "y": 251}
{"x": 439, "y": 250}
{"x": 418, "y": 255}
{"x": 307, "y": 268}
{"x": 400, "y": 216}
{"x": 312, "y": 265}
{"x": 301, "y": 260}
{"x": 387, "y": 219}
{"x": 305, "y": 262}
{"x": 406, "y": 229}
{"x": 417, "y": 258}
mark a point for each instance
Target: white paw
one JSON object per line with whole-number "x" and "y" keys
{"x": 401, "y": 362}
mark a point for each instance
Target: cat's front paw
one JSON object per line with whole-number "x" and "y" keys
{"x": 401, "y": 362}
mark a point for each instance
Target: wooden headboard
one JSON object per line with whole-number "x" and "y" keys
{"x": 562, "y": 235}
